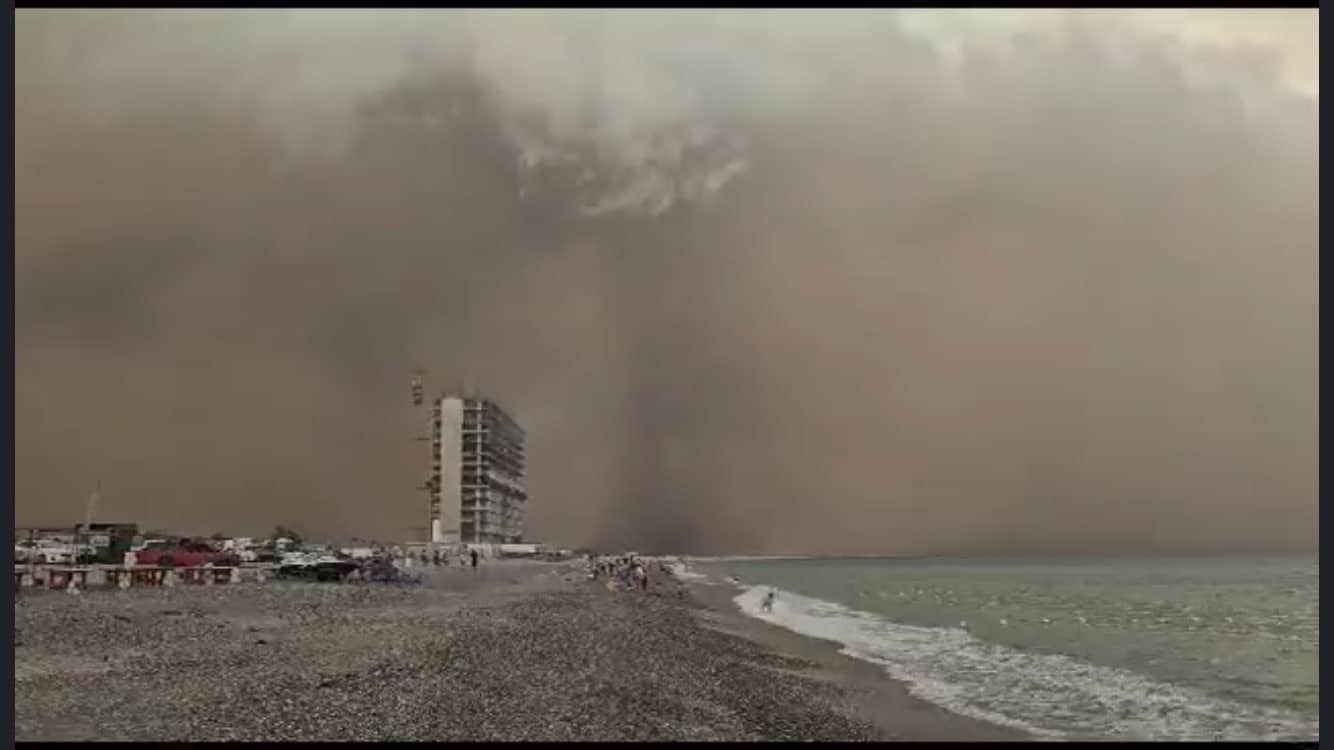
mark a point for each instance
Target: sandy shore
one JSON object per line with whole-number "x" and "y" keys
{"x": 509, "y": 652}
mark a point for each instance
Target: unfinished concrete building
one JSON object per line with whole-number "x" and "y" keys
{"x": 477, "y": 473}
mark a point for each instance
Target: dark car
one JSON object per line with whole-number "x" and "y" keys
{"x": 316, "y": 568}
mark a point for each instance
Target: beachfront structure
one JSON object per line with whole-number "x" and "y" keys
{"x": 477, "y": 492}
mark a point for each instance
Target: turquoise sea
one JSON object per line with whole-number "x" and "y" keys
{"x": 1192, "y": 648}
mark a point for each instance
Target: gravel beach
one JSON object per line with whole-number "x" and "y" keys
{"x": 510, "y": 652}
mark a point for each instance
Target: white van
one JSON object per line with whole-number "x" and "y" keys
{"x": 51, "y": 553}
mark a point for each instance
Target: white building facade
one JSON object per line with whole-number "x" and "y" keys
{"x": 477, "y": 489}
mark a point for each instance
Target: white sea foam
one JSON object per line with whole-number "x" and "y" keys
{"x": 1050, "y": 695}
{"x": 682, "y": 571}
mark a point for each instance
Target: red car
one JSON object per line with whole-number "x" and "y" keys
{"x": 185, "y": 553}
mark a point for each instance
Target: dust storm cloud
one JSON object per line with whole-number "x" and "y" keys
{"x": 792, "y": 282}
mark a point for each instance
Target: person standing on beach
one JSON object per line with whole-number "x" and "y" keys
{"x": 472, "y": 553}
{"x": 768, "y": 605}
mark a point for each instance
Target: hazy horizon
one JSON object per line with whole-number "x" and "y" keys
{"x": 933, "y": 282}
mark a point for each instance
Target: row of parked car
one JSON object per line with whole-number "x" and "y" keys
{"x": 186, "y": 552}
{"x": 161, "y": 552}
{"x": 52, "y": 552}
{"x": 292, "y": 558}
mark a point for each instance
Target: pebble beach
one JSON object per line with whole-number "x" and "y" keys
{"x": 513, "y": 651}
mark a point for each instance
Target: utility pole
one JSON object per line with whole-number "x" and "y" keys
{"x": 81, "y": 538}
{"x": 92, "y": 505}
{"x": 418, "y": 390}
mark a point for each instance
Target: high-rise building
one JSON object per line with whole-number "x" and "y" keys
{"x": 477, "y": 473}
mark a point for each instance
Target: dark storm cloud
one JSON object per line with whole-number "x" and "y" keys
{"x": 1055, "y": 293}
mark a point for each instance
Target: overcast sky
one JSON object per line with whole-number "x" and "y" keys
{"x": 989, "y": 281}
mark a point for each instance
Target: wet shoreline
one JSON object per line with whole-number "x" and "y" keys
{"x": 507, "y": 652}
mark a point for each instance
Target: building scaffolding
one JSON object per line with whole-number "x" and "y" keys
{"x": 476, "y": 486}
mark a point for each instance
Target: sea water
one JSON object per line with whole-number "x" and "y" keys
{"x": 1205, "y": 648}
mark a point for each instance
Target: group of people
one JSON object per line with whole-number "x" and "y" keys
{"x": 435, "y": 558}
{"x": 395, "y": 565}
{"x": 626, "y": 572}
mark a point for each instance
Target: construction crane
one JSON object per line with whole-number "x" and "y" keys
{"x": 430, "y": 486}
{"x": 418, "y": 390}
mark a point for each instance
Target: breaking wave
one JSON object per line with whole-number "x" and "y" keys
{"x": 1050, "y": 695}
